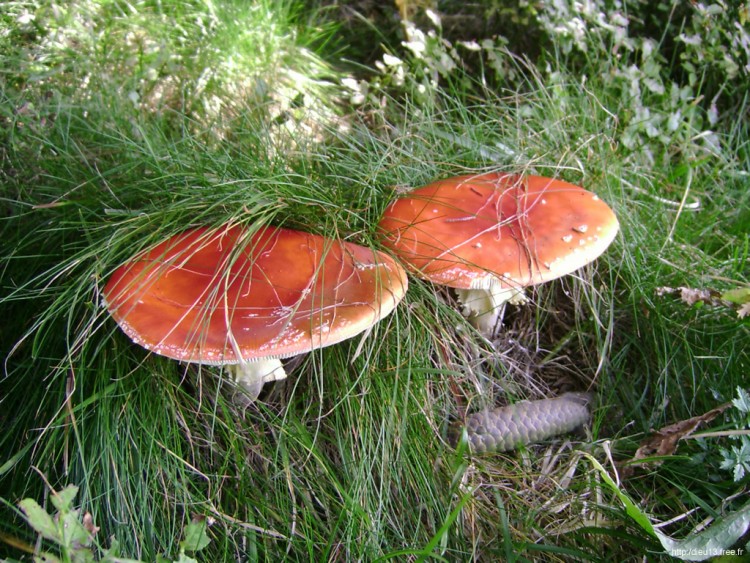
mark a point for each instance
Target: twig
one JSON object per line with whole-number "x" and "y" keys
{"x": 719, "y": 434}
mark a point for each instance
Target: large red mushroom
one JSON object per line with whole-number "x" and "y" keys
{"x": 251, "y": 297}
{"x": 489, "y": 236}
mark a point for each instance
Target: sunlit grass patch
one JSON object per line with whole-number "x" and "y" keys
{"x": 211, "y": 62}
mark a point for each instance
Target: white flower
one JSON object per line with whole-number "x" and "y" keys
{"x": 619, "y": 19}
{"x": 711, "y": 141}
{"x": 390, "y": 60}
{"x": 25, "y": 18}
{"x": 647, "y": 47}
{"x": 694, "y": 40}
{"x": 713, "y": 113}
{"x": 358, "y": 89}
{"x": 350, "y": 83}
{"x": 400, "y": 77}
{"x": 417, "y": 42}
{"x": 446, "y": 64}
{"x": 654, "y": 85}
{"x": 472, "y": 45}
{"x": 433, "y": 17}
{"x": 416, "y": 47}
{"x": 674, "y": 120}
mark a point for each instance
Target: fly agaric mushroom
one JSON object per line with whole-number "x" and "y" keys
{"x": 490, "y": 235}
{"x": 249, "y": 298}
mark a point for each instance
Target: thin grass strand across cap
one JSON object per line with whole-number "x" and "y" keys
{"x": 497, "y": 232}
{"x": 249, "y": 297}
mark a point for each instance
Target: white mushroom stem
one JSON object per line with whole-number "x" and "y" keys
{"x": 252, "y": 375}
{"x": 483, "y": 306}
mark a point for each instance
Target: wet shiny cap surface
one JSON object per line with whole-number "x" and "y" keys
{"x": 474, "y": 231}
{"x": 229, "y": 294}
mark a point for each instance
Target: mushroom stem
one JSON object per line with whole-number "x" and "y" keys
{"x": 251, "y": 375}
{"x": 483, "y": 306}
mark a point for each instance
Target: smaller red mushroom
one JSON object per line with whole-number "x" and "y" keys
{"x": 489, "y": 236}
{"x": 250, "y": 297}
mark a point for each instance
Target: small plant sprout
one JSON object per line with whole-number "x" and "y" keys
{"x": 737, "y": 458}
{"x": 232, "y": 296}
{"x": 489, "y": 236}
{"x": 72, "y": 533}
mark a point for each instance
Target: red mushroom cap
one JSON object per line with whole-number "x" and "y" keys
{"x": 471, "y": 232}
{"x": 229, "y": 295}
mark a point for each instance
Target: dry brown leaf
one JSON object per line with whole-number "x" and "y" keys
{"x": 691, "y": 295}
{"x": 88, "y": 524}
{"x": 664, "y": 441}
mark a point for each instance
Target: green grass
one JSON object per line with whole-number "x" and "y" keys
{"x": 348, "y": 459}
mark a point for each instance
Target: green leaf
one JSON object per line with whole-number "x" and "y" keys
{"x": 38, "y": 519}
{"x": 81, "y": 555}
{"x": 13, "y": 460}
{"x": 75, "y": 535}
{"x": 630, "y": 507}
{"x": 742, "y": 402}
{"x": 739, "y": 472}
{"x": 739, "y": 296}
{"x": 195, "y": 536}
{"x": 112, "y": 555}
{"x": 437, "y": 539}
{"x": 63, "y": 500}
{"x": 729, "y": 461}
{"x": 714, "y": 540}
{"x": 113, "y": 551}
{"x": 736, "y": 459}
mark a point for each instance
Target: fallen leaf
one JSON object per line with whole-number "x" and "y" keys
{"x": 692, "y": 296}
{"x": 663, "y": 442}
{"x": 744, "y": 310}
{"x": 88, "y": 523}
{"x": 739, "y": 298}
